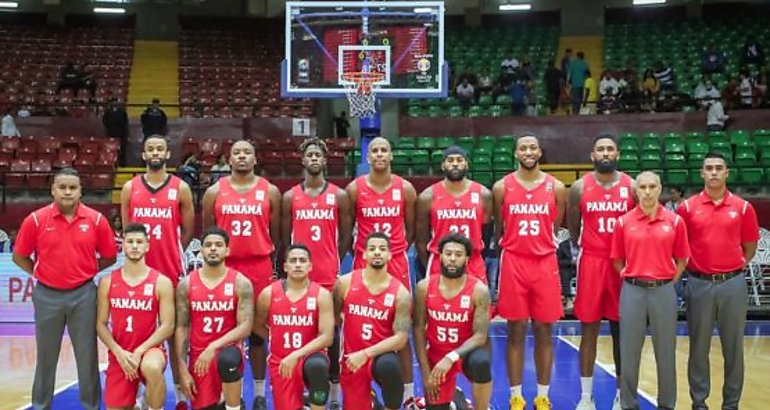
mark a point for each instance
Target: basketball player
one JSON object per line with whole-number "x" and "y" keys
{"x": 454, "y": 205}
{"x": 163, "y": 204}
{"x": 384, "y": 202}
{"x": 450, "y": 327}
{"x": 138, "y": 303}
{"x": 248, "y": 207}
{"x": 596, "y": 201}
{"x": 530, "y": 204}
{"x": 299, "y": 318}
{"x": 374, "y": 308}
{"x": 317, "y": 213}
{"x": 215, "y": 312}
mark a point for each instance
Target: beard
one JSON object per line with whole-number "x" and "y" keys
{"x": 456, "y": 175}
{"x": 605, "y": 166}
{"x": 134, "y": 259}
{"x": 156, "y": 166}
{"x": 213, "y": 262}
{"x": 445, "y": 272}
{"x": 523, "y": 164}
{"x": 314, "y": 172}
{"x": 377, "y": 265}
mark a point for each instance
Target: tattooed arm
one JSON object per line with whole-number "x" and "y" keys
{"x": 244, "y": 315}
{"x": 481, "y": 302}
{"x": 401, "y": 325}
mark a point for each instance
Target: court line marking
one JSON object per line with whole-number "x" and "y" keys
{"x": 60, "y": 390}
{"x": 610, "y": 369}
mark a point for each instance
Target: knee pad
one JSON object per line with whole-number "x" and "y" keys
{"x": 229, "y": 362}
{"x": 256, "y": 341}
{"x": 477, "y": 366}
{"x": 387, "y": 372}
{"x": 315, "y": 373}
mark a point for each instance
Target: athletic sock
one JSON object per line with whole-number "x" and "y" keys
{"x": 408, "y": 391}
{"x": 542, "y": 390}
{"x": 180, "y": 397}
{"x": 238, "y": 407}
{"x": 259, "y": 388}
{"x": 586, "y": 386}
{"x": 334, "y": 392}
{"x": 516, "y": 390}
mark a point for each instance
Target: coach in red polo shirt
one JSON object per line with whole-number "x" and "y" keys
{"x": 650, "y": 250}
{"x": 723, "y": 231}
{"x": 71, "y": 243}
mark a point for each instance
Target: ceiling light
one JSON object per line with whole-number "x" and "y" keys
{"x": 515, "y": 7}
{"x": 9, "y": 4}
{"x": 109, "y": 10}
{"x": 646, "y": 2}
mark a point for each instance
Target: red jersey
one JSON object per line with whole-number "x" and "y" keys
{"x": 292, "y": 324}
{"x": 449, "y": 321}
{"x": 158, "y": 209}
{"x": 315, "y": 223}
{"x": 213, "y": 312}
{"x": 246, "y": 218}
{"x": 367, "y": 318}
{"x": 600, "y": 209}
{"x": 134, "y": 310}
{"x": 528, "y": 217}
{"x": 383, "y": 212}
{"x": 463, "y": 214}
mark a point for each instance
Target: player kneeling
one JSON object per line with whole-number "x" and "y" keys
{"x": 298, "y": 318}
{"x": 138, "y": 303}
{"x": 450, "y": 328}
{"x": 215, "y": 312}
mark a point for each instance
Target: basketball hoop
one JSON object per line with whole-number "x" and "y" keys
{"x": 360, "y": 88}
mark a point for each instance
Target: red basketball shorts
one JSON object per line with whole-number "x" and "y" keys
{"x": 446, "y": 390}
{"x": 598, "y": 289}
{"x": 356, "y": 387}
{"x": 530, "y": 287}
{"x": 476, "y": 266}
{"x": 398, "y": 267}
{"x": 118, "y": 390}
{"x": 259, "y": 270}
{"x": 287, "y": 393}
{"x": 208, "y": 386}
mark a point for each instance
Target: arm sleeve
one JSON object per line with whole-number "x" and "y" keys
{"x": 749, "y": 225}
{"x": 26, "y": 239}
{"x": 105, "y": 239}
{"x": 618, "y": 246}
{"x": 681, "y": 243}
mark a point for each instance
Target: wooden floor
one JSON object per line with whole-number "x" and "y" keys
{"x": 755, "y": 388}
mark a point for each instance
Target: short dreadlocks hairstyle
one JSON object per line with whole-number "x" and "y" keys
{"x": 309, "y": 142}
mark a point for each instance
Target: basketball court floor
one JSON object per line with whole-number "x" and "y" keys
{"x": 17, "y": 361}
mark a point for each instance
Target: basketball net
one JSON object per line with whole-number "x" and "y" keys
{"x": 361, "y": 90}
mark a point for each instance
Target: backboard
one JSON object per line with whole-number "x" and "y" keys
{"x": 402, "y": 40}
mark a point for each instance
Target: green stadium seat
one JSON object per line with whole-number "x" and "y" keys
{"x": 466, "y": 143}
{"x": 414, "y": 111}
{"x": 633, "y": 172}
{"x": 650, "y": 161}
{"x": 739, "y": 136}
{"x": 674, "y": 146}
{"x": 745, "y": 159}
{"x": 716, "y": 136}
{"x": 455, "y": 111}
{"x": 434, "y": 111}
{"x": 628, "y": 143}
{"x": 481, "y": 163}
{"x": 677, "y": 176}
{"x": 485, "y": 101}
{"x": 486, "y": 141}
{"x": 426, "y": 143}
{"x": 504, "y": 100}
{"x": 444, "y": 142}
{"x": 483, "y": 177}
{"x": 723, "y": 147}
{"x": 508, "y": 139}
{"x": 420, "y": 162}
{"x": 628, "y": 161}
{"x": 436, "y": 157}
{"x": 650, "y": 145}
{"x": 404, "y": 143}
{"x": 498, "y": 111}
{"x": 502, "y": 163}
{"x": 476, "y": 111}
{"x": 734, "y": 176}
{"x": 764, "y": 157}
{"x": 504, "y": 149}
{"x": 694, "y": 136}
{"x": 695, "y": 178}
{"x": 747, "y": 147}
{"x": 675, "y": 161}
{"x": 401, "y": 160}
{"x": 751, "y": 176}
{"x": 450, "y": 102}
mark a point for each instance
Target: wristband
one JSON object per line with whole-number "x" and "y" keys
{"x": 453, "y": 356}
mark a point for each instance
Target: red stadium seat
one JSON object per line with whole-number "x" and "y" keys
{"x": 100, "y": 181}
{"x": 83, "y": 165}
{"x": 335, "y": 163}
{"x": 210, "y": 147}
{"x": 292, "y": 163}
{"x": 190, "y": 146}
{"x": 67, "y": 154}
{"x": 17, "y": 173}
{"x": 41, "y": 173}
{"x": 27, "y": 153}
{"x": 272, "y": 163}
{"x": 10, "y": 144}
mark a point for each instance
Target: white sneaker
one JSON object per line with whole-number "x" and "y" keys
{"x": 586, "y": 403}
{"x": 616, "y": 403}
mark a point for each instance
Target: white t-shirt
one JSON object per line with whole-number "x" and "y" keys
{"x": 716, "y": 114}
{"x": 608, "y": 86}
{"x": 465, "y": 91}
{"x": 747, "y": 91}
{"x": 9, "y": 127}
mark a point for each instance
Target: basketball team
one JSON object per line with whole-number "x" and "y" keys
{"x": 271, "y": 281}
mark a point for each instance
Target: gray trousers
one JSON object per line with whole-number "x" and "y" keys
{"x": 638, "y": 306}
{"x": 77, "y": 310}
{"x": 724, "y": 303}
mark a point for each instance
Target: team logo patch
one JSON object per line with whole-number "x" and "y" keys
{"x": 388, "y": 300}
{"x": 172, "y": 194}
{"x": 260, "y": 195}
{"x": 131, "y": 293}
{"x": 148, "y": 289}
{"x": 474, "y": 197}
{"x": 396, "y": 194}
{"x": 465, "y": 302}
{"x": 666, "y": 228}
{"x": 733, "y": 214}
{"x": 549, "y": 187}
{"x": 329, "y": 199}
{"x": 624, "y": 192}
{"x": 228, "y": 289}
{"x": 83, "y": 227}
{"x": 311, "y": 303}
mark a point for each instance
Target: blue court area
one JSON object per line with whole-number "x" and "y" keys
{"x": 565, "y": 380}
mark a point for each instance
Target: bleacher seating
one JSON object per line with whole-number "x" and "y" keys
{"x": 32, "y": 56}
{"x": 234, "y": 72}
{"x": 30, "y": 161}
{"x": 678, "y": 157}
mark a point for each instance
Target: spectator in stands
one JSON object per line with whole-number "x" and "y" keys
{"x": 713, "y": 59}
{"x": 24, "y": 112}
{"x": 565, "y": 61}
{"x": 676, "y": 194}
{"x": 465, "y": 94}
{"x": 115, "y": 120}
{"x": 526, "y": 72}
{"x": 630, "y": 94}
{"x": 554, "y": 82}
{"x": 716, "y": 117}
{"x": 706, "y": 91}
{"x": 591, "y": 95}
{"x": 86, "y": 79}
{"x": 470, "y": 76}
{"x": 117, "y": 228}
{"x": 746, "y": 90}
{"x": 341, "y": 125}
{"x": 753, "y": 53}
{"x": 189, "y": 171}
{"x": 762, "y": 86}
{"x": 485, "y": 83}
{"x": 576, "y": 80}
{"x": 731, "y": 94}
{"x": 567, "y": 254}
{"x": 650, "y": 89}
{"x": 665, "y": 76}
{"x": 69, "y": 78}
{"x": 7, "y": 246}
{"x": 154, "y": 120}
{"x": 9, "y": 128}
{"x": 519, "y": 97}
{"x": 221, "y": 168}
{"x": 609, "y": 85}
{"x": 510, "y": 65}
